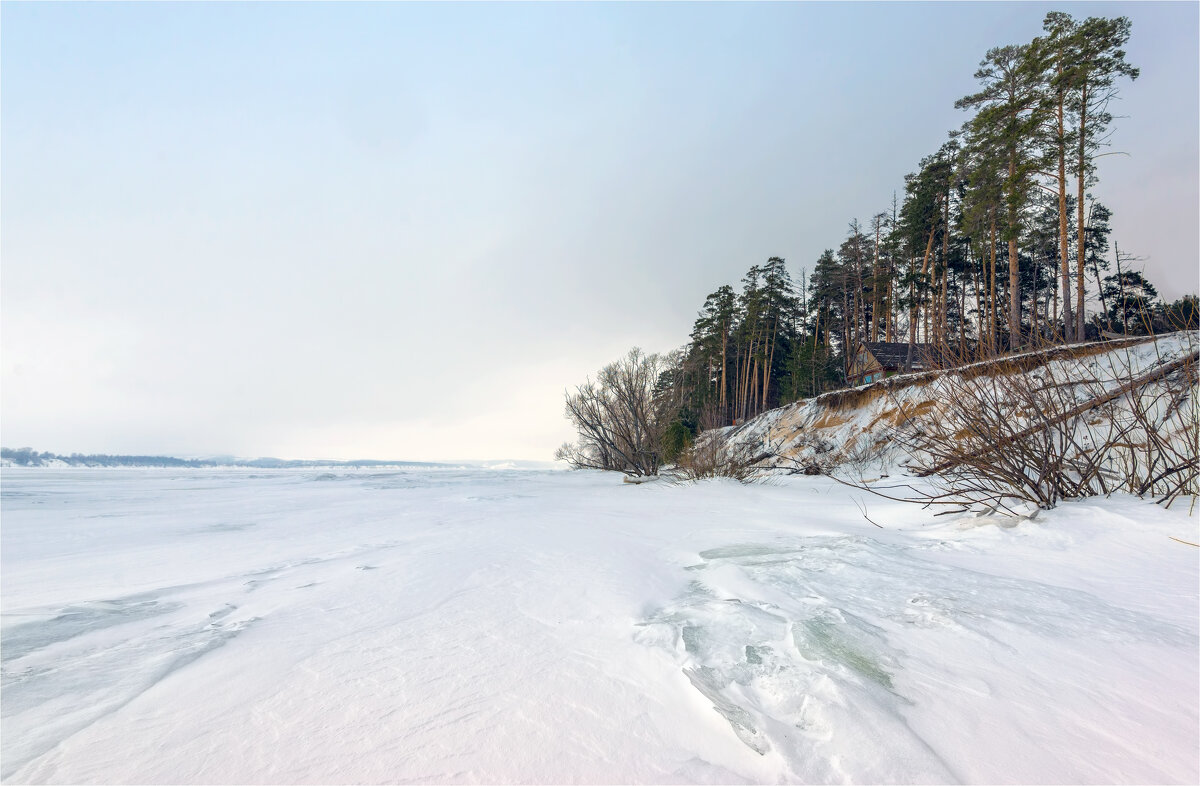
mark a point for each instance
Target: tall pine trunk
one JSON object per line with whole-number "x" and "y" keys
{"x": 1014, "y": 271}
{"x": 980, "y": 287}
{"x": 912, "y": 307}
{"x": 992, "y": 314}
{"x": 1014, "y": 296}
{"x": 962, "y": 318}
{"x": 770, "y": 360}
{"x": 925, "y": 265}
{"x": 1082, "y": 176}
{"x": 875, "y": 294}
{"x": 943, "y": 301}
{"x": 1033, "y": 305}
{"x": 724, "y": 353}
{"x": 1063, "y": 244}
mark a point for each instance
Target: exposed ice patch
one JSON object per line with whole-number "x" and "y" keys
{"x": 791, "y": 641}
{"x": 24, "y": 638}
{"x": 710, "y": 683}
{"x": 53, "y": 699}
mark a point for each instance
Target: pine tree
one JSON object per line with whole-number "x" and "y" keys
{"x": 1095, "y": 247}
{"x": 1055, "y": 50}
{"x": 921, "y": 218}
{"x": 1012, "y": 111}
{"x": 710, "y": 341}
{"x": 1085, "y": 59}
{"x": 1131, "y": 297}
{"x": 1098, "y": 61}
{"x": 780, "y": 306}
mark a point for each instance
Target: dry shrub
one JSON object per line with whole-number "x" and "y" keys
{"x": 714, "y": 457}
{"x": 811, "y": 454}
{"x": 1059, "y": 432}
{"x": 865, "y": 453}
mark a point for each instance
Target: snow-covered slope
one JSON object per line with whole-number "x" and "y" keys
{"x": 855, "y": 426}
{"x": 192, "y": 626}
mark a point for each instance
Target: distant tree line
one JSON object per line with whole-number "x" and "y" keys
{"x": 997, "y": 244}
{"x": 28, "y": 457}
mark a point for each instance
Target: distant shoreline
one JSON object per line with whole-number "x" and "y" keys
{"x": 26, "y": 457}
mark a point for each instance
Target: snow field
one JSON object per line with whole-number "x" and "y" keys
{"x": 504, "y": 626}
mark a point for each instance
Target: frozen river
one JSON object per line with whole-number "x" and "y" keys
{"x": 505, "y": 626}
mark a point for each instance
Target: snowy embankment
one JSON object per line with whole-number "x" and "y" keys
{"x": 194, "y": 626}
{"x": 854, "y": 427}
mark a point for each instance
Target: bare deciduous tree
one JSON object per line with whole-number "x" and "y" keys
{"x": 619, "y": 419}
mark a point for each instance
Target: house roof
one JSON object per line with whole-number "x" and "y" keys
{"x": 893, "y": 355}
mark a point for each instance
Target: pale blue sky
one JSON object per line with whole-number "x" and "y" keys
{"x": 400, "y": 230}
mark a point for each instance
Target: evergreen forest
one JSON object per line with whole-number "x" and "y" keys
{"x": 996, "y": 244}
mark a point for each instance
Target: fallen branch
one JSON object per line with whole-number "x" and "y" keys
{"x": 863, "y": 509}
{"x": 1101, "y": 400}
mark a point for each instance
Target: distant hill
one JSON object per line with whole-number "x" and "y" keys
{"x": 28, "y": 457}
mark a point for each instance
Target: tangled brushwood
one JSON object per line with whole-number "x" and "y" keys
{"x": 1060, "y": 432}
{"x": 712, "y": 457}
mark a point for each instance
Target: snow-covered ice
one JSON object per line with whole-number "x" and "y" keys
{"x": 499, "y": 626}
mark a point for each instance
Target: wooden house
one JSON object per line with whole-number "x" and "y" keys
{"x": 874, "y": 360}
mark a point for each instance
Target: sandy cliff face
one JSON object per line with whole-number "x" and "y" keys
{"x": 855, "y": 429}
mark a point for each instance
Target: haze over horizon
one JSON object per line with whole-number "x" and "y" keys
{"x": 400, "y": 231}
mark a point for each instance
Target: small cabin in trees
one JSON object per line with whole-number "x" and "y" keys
{"x": 874, "y": 360}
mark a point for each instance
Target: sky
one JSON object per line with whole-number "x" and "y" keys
{"x": 402, "y": 231}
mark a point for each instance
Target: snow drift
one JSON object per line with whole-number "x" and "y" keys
{"x": 194, "y": 626}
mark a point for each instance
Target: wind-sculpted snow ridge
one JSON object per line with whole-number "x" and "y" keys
{"x": 799, "y": 643}
{"x": 854, "y": 427}
{"x": 89, "y": 661}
